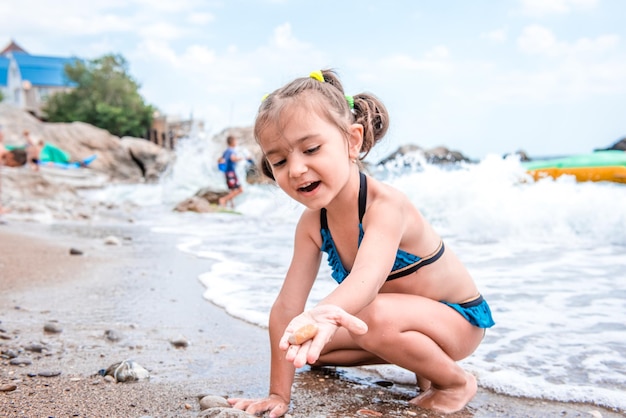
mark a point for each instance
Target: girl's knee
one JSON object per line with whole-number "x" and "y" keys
{"x": 380, "y": 319}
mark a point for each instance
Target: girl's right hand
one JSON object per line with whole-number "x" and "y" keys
{"x": 327, "y": 319}
{"x": 274, "y": 404}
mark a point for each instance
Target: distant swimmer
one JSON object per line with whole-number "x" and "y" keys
{"x": 227, "y": 163}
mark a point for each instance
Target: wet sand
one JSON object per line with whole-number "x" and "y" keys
{"x": 147, "y": 292}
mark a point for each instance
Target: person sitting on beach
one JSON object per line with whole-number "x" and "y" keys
{"x": 230, "y": 158}
{"x": 38, "y": 153}
{"x": 33, "y": 148}
{"x": 15, "y": 157}
{"x": 404, "y": 298}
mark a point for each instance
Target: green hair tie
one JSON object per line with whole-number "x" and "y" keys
{"x": 350, "y": 100}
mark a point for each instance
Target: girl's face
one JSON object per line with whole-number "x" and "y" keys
{"x": 311, "y": 158}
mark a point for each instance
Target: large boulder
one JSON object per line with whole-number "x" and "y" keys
{"x": 619, "y": 145}
{"x": 125, "y": 160}
{"x": 151, "y": 159}
{"x": 437, "y": 155}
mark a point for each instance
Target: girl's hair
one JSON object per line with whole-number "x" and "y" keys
{"x": 329, "y": 101}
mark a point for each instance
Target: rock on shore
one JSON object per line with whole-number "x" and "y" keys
{"x": 121, "y": 159}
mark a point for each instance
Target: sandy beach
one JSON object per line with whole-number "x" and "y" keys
{"x": 147, "y": 294}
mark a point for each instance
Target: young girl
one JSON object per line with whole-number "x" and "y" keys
{"x": 404, "y": 297}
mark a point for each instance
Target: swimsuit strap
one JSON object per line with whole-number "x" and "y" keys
{"x": 362, "y": 202}
{"x": 418, "y": 263}
{"x": 362, "y": 195}
{"x": 323, "y": 221}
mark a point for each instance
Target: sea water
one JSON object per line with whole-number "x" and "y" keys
{"x": 549, "y": 257}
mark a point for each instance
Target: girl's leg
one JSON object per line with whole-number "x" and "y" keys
{"x": 420, "y": 335}
{"x": 426, "y": 337}
{"x": 342, "y": 350}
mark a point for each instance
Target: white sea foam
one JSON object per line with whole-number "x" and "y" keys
{"x": 549, "y": 256}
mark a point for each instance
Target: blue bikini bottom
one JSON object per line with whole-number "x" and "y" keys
{"x": 476, "y": 311}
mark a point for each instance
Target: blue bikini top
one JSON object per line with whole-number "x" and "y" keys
{"x": 405, "y": 263}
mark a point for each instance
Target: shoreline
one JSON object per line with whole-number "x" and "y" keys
{"x": 148, "y": 293}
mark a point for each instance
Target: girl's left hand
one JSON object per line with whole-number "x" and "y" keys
{"x": 327, "y": 318}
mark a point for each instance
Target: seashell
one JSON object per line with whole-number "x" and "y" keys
{"x": 127, "y": 371}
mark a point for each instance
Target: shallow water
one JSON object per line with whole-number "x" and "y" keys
{"x": 550, "y": 257}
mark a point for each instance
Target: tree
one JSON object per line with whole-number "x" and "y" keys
{"x": 105, "y": 95}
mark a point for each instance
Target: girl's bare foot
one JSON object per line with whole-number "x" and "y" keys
{"x": 447, "y": 400}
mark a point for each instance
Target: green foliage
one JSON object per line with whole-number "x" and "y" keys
{"x": 105, "y": 96}
{"x": 1, "y": 96}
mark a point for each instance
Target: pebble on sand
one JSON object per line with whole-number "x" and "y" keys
{"x": 112, "y": 240}
{"x": 213, "y": 406}
{"x": 180, "y": 342}
{"x": 52, "y": 327}
{"x": 213, "y": 401}
{"x": 126, "y": 371}
{"x": 49, "y": 373}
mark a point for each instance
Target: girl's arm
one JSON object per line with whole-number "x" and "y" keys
{"x": 292, "y": 298}
{"x": 384, "y": 225}
{"x": 290, "y": 302}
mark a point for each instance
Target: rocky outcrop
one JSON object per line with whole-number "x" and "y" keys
{"x": 437, "y": 155}
{"x": 124, "y": 160}
{"x": 520, "y": 154}
{"x": 619, "y": 145}
{"x": 205, "y": 200}
{"x": 151, "y": 159}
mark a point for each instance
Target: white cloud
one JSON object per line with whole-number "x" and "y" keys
{"x": 167, "y": 6}
{"x": 436, "y": 60}
{"x": 497, "y": 36}
{"x": 283, "y": 38}
{"x": 554, "y": 71}
{"x": 538, "y": 40}
{"x": 200, "y": 18}
{"x": 160, "y": 30}
{"x": 224, "y": 87}
{"x": 547, "y": 7}
{"x": 158, "y": 52}
{"x": 198, "y": 57}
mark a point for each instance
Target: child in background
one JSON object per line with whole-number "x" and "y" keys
{"x": 404, "y": 298}
{"x": 228, "y": 161}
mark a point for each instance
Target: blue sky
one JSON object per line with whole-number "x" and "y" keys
{"x": 544, "y": 76}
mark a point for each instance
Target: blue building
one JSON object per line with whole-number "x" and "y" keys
{"x": 26, "y": 80}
